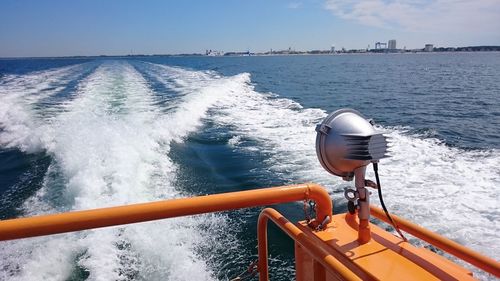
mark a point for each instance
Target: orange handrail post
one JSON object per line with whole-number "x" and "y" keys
{"x": 483, "y": 262}
{"x": 82, "y": 220}
{"x": 316, "y": 250}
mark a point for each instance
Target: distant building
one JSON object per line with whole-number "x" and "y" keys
{"x": 332, "y": 50}
{"x": 213, "y": 53}
{"x": 429, "y": 48}
{"x": 391, "y": 45}
{"x": 380, "y": 45}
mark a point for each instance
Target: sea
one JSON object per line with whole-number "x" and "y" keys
{"x": 83, "y": 133}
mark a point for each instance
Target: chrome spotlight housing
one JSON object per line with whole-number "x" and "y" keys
{"x": 346, "y": 141}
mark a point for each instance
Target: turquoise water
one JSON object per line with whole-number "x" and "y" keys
{"x": 87, "y": 133}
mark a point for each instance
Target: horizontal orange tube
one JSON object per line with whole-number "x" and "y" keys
{"x": 81, "y": 220}
{"x": 316, "y": 250}
{"x": 485, "y": 263}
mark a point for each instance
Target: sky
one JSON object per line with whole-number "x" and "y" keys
{"x": 121, "y": 27}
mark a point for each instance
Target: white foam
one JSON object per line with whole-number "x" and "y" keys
{"x": 18, "y": 96}
{"x": 281, "y": 127}
{"x": 45, "y": 258}
{"x": 448, "y": 190}
{"x": 118, "y": 154}
{"x": 198, "y": 93}
{"x": 111, "y": 145}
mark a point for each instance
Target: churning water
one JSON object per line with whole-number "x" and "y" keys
{"x": 80, "y": 134}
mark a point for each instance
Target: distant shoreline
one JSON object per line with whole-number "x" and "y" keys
{"x": 351, "y": 52}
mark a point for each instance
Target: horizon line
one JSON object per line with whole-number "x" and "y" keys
{"x": 235, "y": 52}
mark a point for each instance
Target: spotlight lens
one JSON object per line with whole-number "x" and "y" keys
{"x": 346, "y": 140}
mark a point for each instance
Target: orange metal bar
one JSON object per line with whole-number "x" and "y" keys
{"x": 316, "y": 250}
{"x": 485, "y": 263}
{"x": 81, "y": 220}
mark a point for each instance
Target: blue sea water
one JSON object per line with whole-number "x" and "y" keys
{"x": 86, "y": 133}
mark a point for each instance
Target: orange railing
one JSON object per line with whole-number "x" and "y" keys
{"x": 317, "y": 250}
{"x": 485, "y": 263}
{"x": 81, "y": 220}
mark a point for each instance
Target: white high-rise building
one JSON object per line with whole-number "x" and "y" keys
{"x": 391, "y": 44}
{"x": 429, "y": 48}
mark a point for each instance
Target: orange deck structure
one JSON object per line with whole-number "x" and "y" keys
{"x": 326, "y": 248}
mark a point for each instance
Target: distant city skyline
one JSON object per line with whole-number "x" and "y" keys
{"x": 66, "y": 28}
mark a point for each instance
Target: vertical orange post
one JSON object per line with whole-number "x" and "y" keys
{"x": 319, "y": 271}
{"x": 318, "y": 251}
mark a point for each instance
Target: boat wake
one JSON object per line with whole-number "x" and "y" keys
{"x": 110, "y": 141}
{"x": 448, "y": 190}
{"x": 110, "y": 146}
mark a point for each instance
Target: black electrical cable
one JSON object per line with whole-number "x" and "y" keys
{"x": 375, "y": 169}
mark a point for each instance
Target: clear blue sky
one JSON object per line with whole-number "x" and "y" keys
{"x": 94, "y": 27}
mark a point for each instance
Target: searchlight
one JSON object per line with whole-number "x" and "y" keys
{"x": 346, "y": 143}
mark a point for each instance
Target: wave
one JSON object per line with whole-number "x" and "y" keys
{"x": 448, "y": 190}
{"x": 111, "y": 144}
{"x": 19, "y": 96}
